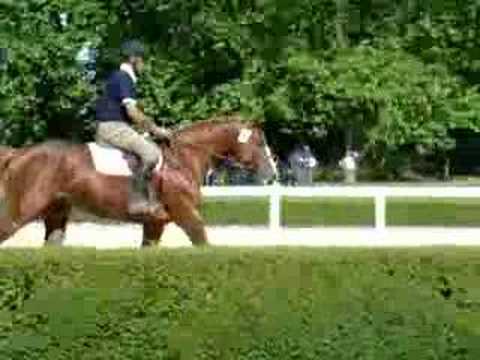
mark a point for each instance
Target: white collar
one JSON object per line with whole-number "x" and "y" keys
{"x": 128, "y": 68}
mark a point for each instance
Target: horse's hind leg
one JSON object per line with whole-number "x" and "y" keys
{"x": 22, "y": 209}
{"x": 7, "y": 228}
{"x": 10, "y": 224}
{"x": 56, "y": 222}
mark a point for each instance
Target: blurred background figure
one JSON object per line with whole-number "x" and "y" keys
{"x": 349, "y": 166}
{"x": 302, "y": 164}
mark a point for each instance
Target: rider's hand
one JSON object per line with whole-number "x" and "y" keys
{"x": 162, "y": 134}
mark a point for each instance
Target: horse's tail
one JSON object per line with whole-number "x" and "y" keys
{"x": 6, "y": 155}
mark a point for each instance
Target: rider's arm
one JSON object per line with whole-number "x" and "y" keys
{"x": 127, "y": 96}
{"x": 144, "y": 122}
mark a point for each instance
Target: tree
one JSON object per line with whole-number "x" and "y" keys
{"x": 403, "y": 73}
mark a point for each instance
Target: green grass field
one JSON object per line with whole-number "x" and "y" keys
{"x": 344, "y": 212}
{"x": 216, "y": 303}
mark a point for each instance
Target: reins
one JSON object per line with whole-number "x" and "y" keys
{"x": 204, "y": 148}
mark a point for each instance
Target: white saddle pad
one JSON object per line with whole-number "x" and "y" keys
{"x": 109, "y": 160}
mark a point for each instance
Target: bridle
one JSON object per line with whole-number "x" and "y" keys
{"x": 204, "y": 148}
{"x": 233, "y": 163}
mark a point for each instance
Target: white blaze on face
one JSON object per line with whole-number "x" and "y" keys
{"x": 273, "y": 165}
{"x": 244, "y": 135}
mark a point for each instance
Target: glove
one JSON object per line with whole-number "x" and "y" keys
{"x": 162, "y": 134}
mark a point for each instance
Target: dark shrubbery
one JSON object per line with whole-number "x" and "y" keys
{"x": 400, "y": 74}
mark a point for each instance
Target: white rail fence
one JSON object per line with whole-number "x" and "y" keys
{"x": 130, "y": 235}
{"x": 378, "y": 193}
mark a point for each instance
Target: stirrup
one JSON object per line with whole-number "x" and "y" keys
{"x": 139, "y": 208}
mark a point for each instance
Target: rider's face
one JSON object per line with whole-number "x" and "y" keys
{"x": 138, "y": 64}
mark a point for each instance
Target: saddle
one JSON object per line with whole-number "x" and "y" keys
{"x": 110, "y": 160}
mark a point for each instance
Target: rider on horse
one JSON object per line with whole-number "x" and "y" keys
{"x": 117, "y": 114}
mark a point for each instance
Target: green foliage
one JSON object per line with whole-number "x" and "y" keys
{"x": 239, "y": 304}
{"x": 401, "y": 74}
{"x": 43, "y": 85}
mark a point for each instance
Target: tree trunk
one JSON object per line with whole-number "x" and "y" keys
{"x": 341, "y": 22}
{"x": 406, "y": 16}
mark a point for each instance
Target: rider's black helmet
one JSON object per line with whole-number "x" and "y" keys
{"x": 132, "y": 48}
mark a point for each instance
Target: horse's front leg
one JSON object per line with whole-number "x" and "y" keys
{"x": 188, "y": 218}
{"x": 152, "y": 232}
{"x": 23, "y": 206}
{"x": 194, "y": 227}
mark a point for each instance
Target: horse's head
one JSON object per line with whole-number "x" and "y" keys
{"x": 250, "y": 148}
{"x": 230, "y": 137}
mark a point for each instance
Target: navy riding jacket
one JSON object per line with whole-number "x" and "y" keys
{"x": 119, "y": 90}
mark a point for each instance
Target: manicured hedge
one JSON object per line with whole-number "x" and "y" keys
{"x": 240, "y": 304}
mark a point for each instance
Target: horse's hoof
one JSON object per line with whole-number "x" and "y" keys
{"x": 201, "y": 244}
{"x": 56, "y": 238}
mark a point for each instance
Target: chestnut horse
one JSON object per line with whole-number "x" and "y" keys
{"x": 46, "y": 180}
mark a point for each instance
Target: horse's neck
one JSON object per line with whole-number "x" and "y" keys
{"x": 196, "y": 163}
{"x": 198, "y": 155}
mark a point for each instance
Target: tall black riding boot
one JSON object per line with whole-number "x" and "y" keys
{"x": 143, "y": 197}
{"x": 139, "y": 198}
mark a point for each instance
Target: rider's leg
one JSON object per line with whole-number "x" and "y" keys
{"x": 123, "y": 136}
{"x": 150, "y": 155}
{"x": 143, "y": 194}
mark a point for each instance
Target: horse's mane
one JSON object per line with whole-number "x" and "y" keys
{"x": 222, "y": 119}
{"x": 60, "y": 144}
{"x": 186, "y": 129}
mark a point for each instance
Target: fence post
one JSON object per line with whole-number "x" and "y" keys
{"x": 275, "y": 207}
{"x": 380, "y": 211}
